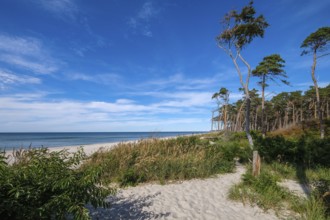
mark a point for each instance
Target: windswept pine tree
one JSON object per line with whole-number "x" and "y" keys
{"x": 317, "y": 44}
{"x": 240, "y": 28}
{"x": 270, "y": 68}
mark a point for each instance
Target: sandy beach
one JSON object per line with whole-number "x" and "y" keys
{"x": 88, "y": 149}
{"x": 194, "y": 199}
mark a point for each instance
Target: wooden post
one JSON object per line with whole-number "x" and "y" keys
{"x": 256, "y": 163}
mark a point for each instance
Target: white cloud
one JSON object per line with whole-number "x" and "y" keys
{"x": 27, "y": 53}
{"x": 181, "y": 82}
{"x": 62, "y": 9}
{"x": 310, "y": 8}
{"x": 107, "y": 79}
{"x": 18, "y": 45}
{"x": 34, "y": 65}
{"x": 321, "y": 84}
{"x": 147, "y": 11}
{"x": 140, "y": 23}
{"x": 22, "y": 112}
{"x": 7, "y": 78}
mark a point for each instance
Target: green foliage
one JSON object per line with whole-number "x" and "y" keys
{"x": 309, "y": 151}
{"x": 49, "y": 185}
{"x": 164, "y": 160}
{"x": 316, "y": 41}
{"x": 270, "y": 68}
{"x": 265, "y": 192}
{"x": 243, "y": 27}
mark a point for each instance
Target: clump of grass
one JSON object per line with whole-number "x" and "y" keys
{"x": 163, "y": 160}
{"x": 267, "y": 194}
{"x": 282, "y": 170}
{"x": 262, "y": 191}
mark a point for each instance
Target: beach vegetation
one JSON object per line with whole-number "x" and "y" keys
{"x": 165, "y": 160}
{"x": 305, "y": 160}
{"x": 49, "y": 185}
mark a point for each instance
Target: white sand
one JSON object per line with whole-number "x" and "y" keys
{"x": 194, "y": 199}
{"x": 296, "y": 188}
{"x": 88, "y": 149}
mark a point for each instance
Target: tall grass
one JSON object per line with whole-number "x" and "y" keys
{"x": 267, "y": 194}
{"x": 163, "y": 160}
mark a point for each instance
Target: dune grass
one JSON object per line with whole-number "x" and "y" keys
{"x": 265, "y": 192}
{"x": 165, "y": 160}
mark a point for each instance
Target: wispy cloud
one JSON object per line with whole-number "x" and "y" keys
{"x": 181, "y": 82}
{"x": 308, "y": 84}
{"x": 7, "y": 79}
{"x": 121, "y": 114}
{"x": 107, "y": 79}
{"x": 310, "y": 8}
{"x": 62, "y": 9}
{"x": 26, "y": 53}
{"x": 140, "y": 23}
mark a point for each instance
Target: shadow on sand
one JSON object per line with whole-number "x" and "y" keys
{"x": 303, "y": 179}
{"x": 127, "y": 208}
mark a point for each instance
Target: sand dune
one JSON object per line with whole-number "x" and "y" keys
{"x": 194, "y": 199}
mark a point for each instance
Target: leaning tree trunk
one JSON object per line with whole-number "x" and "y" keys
{"x": 247, "y": 95}
{"x": 318, "y": 103}
{"x": 263, "y": 131}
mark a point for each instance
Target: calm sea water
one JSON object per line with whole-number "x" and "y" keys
{"x": 24, "y": 140}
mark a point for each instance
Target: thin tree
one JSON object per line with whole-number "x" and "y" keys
{"x": 317, "y": 44}
{"x": 222, "y": 97}
{"x": 240, "y": 28}
{"x": 270, "y": 68}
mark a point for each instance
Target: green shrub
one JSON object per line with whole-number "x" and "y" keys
{"x": 310, "y": 151}
{"x": 49, "y": 185}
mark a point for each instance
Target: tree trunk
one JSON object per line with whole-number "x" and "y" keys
{"x": 225, "y": 117}
{"x": 256, "y": 164}
{"x": 318, "y": 104}
{"x": 256, "y": 119}
{"x": 238, "y": 116}
{"x": 293, "y": 114}
{"x": 263, "y": 131}
{"x": 247, "y": 121}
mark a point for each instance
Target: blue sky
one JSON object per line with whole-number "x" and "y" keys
{"x": 142, "y": 65}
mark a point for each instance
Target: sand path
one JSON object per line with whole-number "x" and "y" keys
{"x": 194, "y": 199}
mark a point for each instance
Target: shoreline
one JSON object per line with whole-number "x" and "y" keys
{"x": 89, "y": 149}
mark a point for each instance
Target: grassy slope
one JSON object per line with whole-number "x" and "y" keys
{"x": 265, "y": 191}
{"x": 200, "y": 157}
{"x": 163, "y": 160}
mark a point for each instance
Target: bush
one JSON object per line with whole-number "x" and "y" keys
{"x": 49, "y": 185}
{"x": 310, "y": 151}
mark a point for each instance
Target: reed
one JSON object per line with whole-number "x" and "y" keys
{"x": 164, "y": 160}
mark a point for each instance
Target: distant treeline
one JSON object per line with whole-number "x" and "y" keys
{"x": 283, "y": 110}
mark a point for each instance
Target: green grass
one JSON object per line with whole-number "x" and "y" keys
{"x": 163, "y": 160}
{"x": 265, "y": 192}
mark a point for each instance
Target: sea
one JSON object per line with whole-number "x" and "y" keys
{"x": 60, "y": 139}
